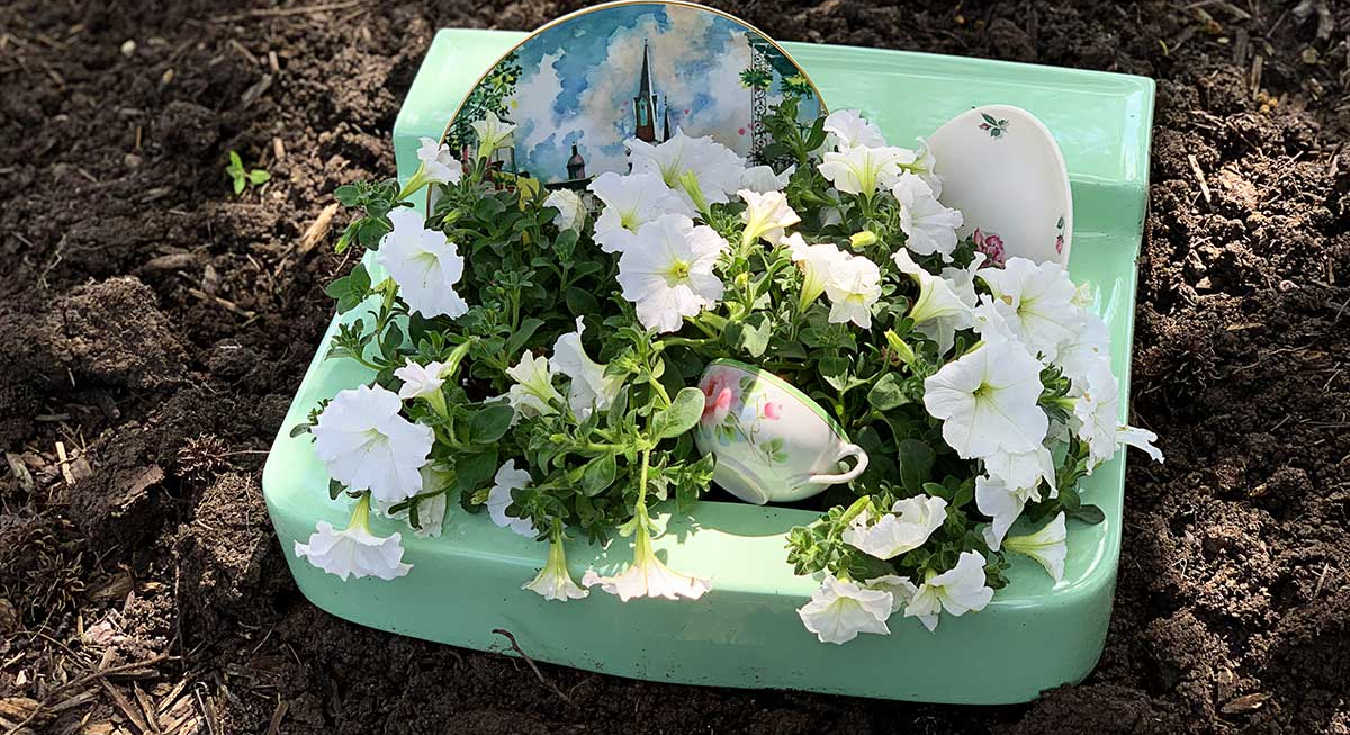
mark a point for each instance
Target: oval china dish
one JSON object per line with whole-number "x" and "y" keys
{"x": 1003, "y": 169}
{"x": 581, "y": 86}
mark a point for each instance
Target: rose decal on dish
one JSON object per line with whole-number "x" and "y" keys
{"x": 994, "y": 126}
{"x": 991, "y": 245}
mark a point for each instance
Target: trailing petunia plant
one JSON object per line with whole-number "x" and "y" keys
{"x": 536, "y": 353}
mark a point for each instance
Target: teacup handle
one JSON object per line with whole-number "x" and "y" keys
{"x": 848, "y": 450}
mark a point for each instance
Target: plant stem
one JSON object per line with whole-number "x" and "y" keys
{"x": 642, "y": 486}
{"x": 678, "y": 342}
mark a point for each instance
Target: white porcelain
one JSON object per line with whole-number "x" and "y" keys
{"x": 772, "y": 442}
{"x": 1001, "y": 167}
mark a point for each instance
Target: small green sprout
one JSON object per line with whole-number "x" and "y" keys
{"x": 236, "y": 172}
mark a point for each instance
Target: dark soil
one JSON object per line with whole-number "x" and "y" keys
{"x": 154, "y": 327}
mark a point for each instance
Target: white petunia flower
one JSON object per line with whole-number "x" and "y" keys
{"x": 425, "y": 265}
{"x": 902, "y": 590}
{"x": 1046, "y": 546}
{"x": 508, "y": 478}
{"x": 366, "y": 445}
{"x": 354, "y": 551}
{"x": 533, "y": 393}
{"x": 958, "y": 590}
{"x": 420, "y": 380}
{"x": 992, "y": 325}
{"x": 439, "y": 165}
{"x": 929, "y": 226}
{"x": 684, "y": 163}
{"x": 590, "y": 389}
{"x": 962, "y": 280}
{"x": 1037, "y": 302}
{"x": 853, "y": 286}
{"x": 553, "y": 581}
{"x": 762, "y": 179}
{"x": 1095, "y": 409}
{"x": 939, "y": 311}
{"x": 571, "y": 208}
{"x": 861, "y": 170}
{"x": 1090, "y": 345}
{"x": 1023, "y": 469}
{"x": 493, "y": 134}
{"x": 668, "y": 271}
{"x": 1003, "y": 503}
{"x": 924, "y": 166}
{"x": 766, "y": 216}
{"x": 908, "y": 525}
{"x": 987, "y": 401}
{"x": 818, "y": 264}
{"x": 848, "y": 128}
{"x": 630, "y": 202}
{"x": 647, "y": 576}
{"x": 839, "y": 611}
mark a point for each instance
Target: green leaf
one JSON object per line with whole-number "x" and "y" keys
{"x": 580, "y": 301}
{"x": 681, "y": 416}
{"x": 258, "y": 177}
{"x": 238, "y": 185}
{"x": 348, "y": 195}
{"x": 618, "y": 408}
{"x": 565, "y": 245}
{"x": 475, "y": 469}
{"x": 487, "y": 209}
{"x": 964, "y": 494}
{"x": 236, "y": 163}
{"x": 370, "y": 230}
{"x": 598, "y": 475}
{"x": 490, "y": 424}
{"x": 522, "y": 335}
{"x": 351, "y": 289}
{"x": 916, "y": 462}
{"x": 392, "y": 340}
{"x": 752, "y": 335}
{"x": 1087, "y": 514}
{"x": 887, "y": 393}
{"x": 833, "y": 366}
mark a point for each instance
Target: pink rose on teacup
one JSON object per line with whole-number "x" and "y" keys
{"x": 773, "y": 410}
{"x": 717, "y": 397}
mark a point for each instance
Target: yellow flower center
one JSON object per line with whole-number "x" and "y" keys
{"x": 678, "y": 271}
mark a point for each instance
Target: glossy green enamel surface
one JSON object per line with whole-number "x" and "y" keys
{"x": 746, "y": 633}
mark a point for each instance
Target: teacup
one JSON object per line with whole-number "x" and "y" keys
{"x": 772, "y": 442}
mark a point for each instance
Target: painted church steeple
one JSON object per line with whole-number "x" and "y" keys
{"x": 644, "y": 104}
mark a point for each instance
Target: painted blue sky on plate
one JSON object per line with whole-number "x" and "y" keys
{"x": 579, "y": 79}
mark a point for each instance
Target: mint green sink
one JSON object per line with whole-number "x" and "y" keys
{"x": 745, "y": 633}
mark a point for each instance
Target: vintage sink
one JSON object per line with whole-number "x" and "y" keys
{"x": 745, "y": 633}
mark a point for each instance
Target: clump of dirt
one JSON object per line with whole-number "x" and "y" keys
{"x": 155, "y": 328}
{"x": 223, "y": 551}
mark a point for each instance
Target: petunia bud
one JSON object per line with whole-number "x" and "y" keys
{"x": 860, "y": 240}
